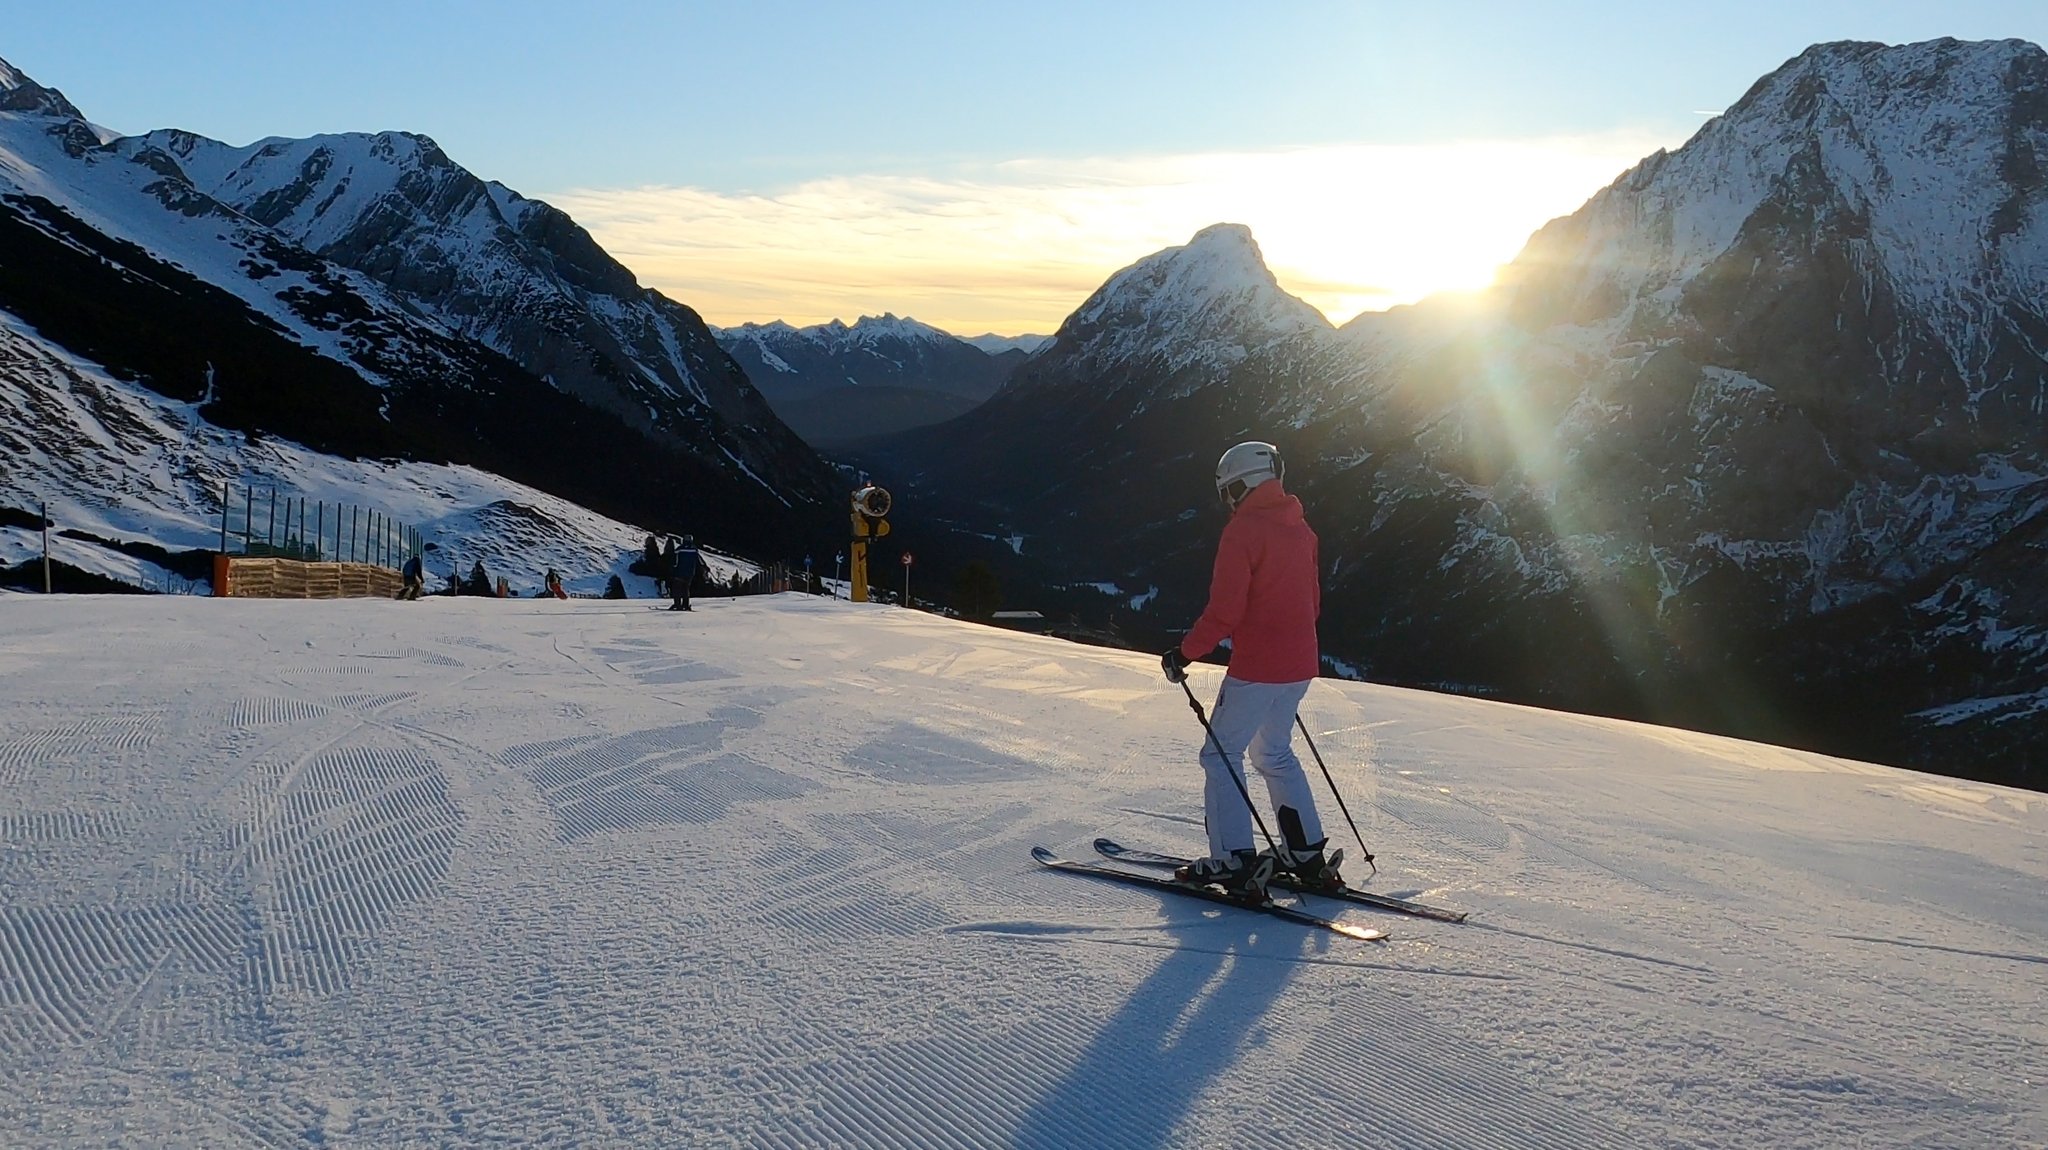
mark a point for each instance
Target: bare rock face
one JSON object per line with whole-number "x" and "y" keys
{"x": 18, "y": 93}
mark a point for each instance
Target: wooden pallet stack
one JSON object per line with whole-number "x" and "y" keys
{"x": 243, "y": 577}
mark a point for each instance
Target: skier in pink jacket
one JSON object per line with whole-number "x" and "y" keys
{"x": 1264, "y": 595}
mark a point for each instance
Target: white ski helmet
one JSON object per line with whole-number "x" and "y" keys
{"x": 1244, "y": 467}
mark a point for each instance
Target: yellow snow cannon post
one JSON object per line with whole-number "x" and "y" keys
{"x": 870, "y": 503}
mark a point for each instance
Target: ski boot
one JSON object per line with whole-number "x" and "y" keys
{"x": 1310, "y": 868}
{"x": 1242, "y": 876}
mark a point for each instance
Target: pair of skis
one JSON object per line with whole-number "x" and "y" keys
{"x": 1291, "y": 913}
{"x": 1108, "y": 848}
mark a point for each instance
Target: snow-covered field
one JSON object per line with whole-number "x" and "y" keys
{"x": 476, "y": 872}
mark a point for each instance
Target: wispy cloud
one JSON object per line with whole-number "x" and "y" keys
{"x": 1017, "y": 246}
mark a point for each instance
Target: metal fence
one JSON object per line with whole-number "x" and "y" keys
{"x": 317, "y": 531}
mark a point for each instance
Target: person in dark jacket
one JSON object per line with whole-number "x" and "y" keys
{"x": 682, "y": 569}
{"x": 415, "y": 575}
{"x": 656, "y": 564}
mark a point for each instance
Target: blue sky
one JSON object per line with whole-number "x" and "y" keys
{"x": 749, "y": 111}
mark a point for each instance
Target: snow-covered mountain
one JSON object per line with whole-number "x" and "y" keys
{"x": 836, "y": 383}
{"x": 1185, "y": 316}
{"x": 1769, "y": 408}
{"x": 995, "y": 344}
{"x": 132, "y": 481}
{"x": 464, "y": 872}
{"x": 111, "y": 250}
{"x": 1911, "y": 171}
{"x": 1753, "y": 441}
{"x": 512, "y": 273}
{"x": 874, "y": 351}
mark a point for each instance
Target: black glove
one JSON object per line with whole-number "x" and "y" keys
{"x": 1175, "y": 665}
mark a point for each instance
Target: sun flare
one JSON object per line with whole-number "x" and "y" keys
{"x": 1016, "y": 246}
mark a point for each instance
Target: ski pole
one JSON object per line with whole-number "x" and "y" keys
{"x": 1339, "y": 795}
{"x": 1246, "y": 795}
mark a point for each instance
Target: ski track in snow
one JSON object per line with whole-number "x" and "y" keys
{"x": 534, "y": 872}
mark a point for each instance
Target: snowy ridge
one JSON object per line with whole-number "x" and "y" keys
{"x": 510, "y": 272}
{"x": 1913, "y": 160}
{"x": 18, "y": 93}
{"x": 138, "y": 195}
{"x": 1212, "y": 302}
{"x": 360, "y": 173}
{"x": 834, "y": 382}
{"x": 1922, "y": 145}
{"x": 834, "y": 337}
{"x": 118, "y": 461}
{"x": 995, "y": 344}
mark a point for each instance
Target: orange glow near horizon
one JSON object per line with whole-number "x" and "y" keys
{"x": 1016, "y": 247}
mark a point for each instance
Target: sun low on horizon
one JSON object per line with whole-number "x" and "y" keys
{"x": 1016, "y": 246}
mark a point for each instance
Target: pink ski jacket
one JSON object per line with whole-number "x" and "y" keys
{"x": 1265, "y": 593}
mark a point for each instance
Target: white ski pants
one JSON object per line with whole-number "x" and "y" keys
{"x": 1255, "y": 724}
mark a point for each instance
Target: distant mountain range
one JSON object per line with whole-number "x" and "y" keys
{"x": 364, "y": 296}
{"x": 995, "y": 344}
{"x": 836, "y": 384}
{"x": 1754, "y": 441}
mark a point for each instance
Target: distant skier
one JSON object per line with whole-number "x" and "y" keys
{"x": 1264, "y": 595}
{"x": 656, "y": 564}
{"x": 681, "y": 569}
{"x": 415, "y": 575}
{"x": 554, "y": 584}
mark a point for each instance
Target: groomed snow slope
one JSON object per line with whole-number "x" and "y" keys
{"x": 469, "y": 872}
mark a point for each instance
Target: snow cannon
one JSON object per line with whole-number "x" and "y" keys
{"x": 870, "y": 504}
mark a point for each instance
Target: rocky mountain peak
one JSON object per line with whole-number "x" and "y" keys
{"x": 995, "y": 344}
{"x": 1922, "y": 164}
{"x": 1200, "y": 308}
{"x": 1220, "y": 265}
{"x": 836, "y": 336}
{"x": 865, "y": 333}
{"x": 890, "y": 326}
{"x": 18, "y": 93}
{"x": 1859, "y": 72}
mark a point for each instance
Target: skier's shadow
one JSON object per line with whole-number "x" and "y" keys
{"x": 1181, "y": 1027}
